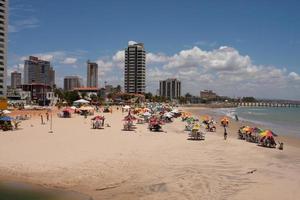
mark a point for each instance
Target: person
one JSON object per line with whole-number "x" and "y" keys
{"x": 42, "y": 119}
{"x": 47, "y": 116}
{"x": 236, "y": 118}
{"x": 225, "y": 133}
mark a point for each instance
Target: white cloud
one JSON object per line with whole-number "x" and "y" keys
{"x": 19, "y": 25}
{"x": 222, "y": 59}
{"x": 69, "y": 61}
{"x": 156, "y": 58}
{"x": 294, "y": 76}
{"x": 131, "y": 42}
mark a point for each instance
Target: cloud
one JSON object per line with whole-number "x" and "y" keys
{"x": 131, "y": 42}
{"x": 69, "y": 61}
{"x": 222, "y": 59}
{"x": 294, "y": 76}
{"x": 156, "y": 58}
{"x": 21, "y": 24}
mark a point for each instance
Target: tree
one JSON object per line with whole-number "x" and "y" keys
{"x": 248, "y": 99}
{"x": 59, "y": 92}
{"x": 188, "y": 95}
{"x": 148, "y": 96}
{"x": 71, "y": 96}
{"x": 118, "y": 88}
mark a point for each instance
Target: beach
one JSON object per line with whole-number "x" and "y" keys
{"x": 113, "y": 164}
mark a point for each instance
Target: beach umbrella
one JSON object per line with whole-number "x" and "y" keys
{"x": 147, "y": 114}
{"x": 98, "y": 117}
{"x": 247, "y": 129}
{"x": 81, "y": 101}
{"x": 267, "y": 133}
{"x": 126, "y": 107}
{"x": 86, "y": 108}
{"x": 6, "y": 112}
{"x": 206, "y": 118}
{"x": 257, "y": 130}
{"x": 6, "y": 118}
{"x": 196, "y": 127}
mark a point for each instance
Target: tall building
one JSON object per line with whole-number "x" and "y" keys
{"x": 71, "y": 82}
{"x": 3, "y": 45}
{"x": 135, "y": 69}
{"x": 38, "y": 71}
{"x": 16, "y": 78}
{"x": 92, "y": 75}
{"x": 170, "y": 88}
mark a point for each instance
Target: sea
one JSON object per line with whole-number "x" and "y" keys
{"x": 281, "y": 120}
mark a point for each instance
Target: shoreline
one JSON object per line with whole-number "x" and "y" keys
{"x": 289, "y": 140}
{"x": 113, "y": 164}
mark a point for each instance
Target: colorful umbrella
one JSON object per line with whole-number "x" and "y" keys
{"x": 247, "y": 129}
{"x": 267, "y": 133}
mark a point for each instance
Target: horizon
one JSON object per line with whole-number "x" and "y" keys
{"x": 206, "y": 47}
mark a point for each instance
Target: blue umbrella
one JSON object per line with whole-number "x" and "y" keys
{"x": 6, "y": 118}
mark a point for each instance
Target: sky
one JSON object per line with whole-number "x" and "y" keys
{"x": 235, "y": 47}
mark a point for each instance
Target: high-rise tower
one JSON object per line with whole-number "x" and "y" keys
{"x": 3, "y": 45}
{"x": 135, "y": 69}
{"x": 92, "y": 75}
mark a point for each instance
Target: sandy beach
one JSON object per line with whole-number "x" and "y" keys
{"x": 115, "y": 164}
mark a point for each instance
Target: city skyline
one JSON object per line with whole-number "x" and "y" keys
{"x": 235, "y": 57}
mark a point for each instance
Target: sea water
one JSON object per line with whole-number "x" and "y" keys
{"x": 282, "y": 120}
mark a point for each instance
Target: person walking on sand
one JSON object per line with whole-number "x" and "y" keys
{"x": 42, "y": 119}
{"x": 47, "y": 116}
{"x": 225, "y": 133}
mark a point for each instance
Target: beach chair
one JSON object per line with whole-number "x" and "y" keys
{"x": 196, "y": 134}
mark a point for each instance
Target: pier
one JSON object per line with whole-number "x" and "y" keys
{"x": 268, "y": 104}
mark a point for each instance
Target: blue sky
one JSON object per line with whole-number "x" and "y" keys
{"x": 235, "y": 47}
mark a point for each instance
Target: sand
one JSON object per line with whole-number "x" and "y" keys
{"x": 114, "y": 164}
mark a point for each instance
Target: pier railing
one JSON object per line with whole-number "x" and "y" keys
{"x": 266, "y": 104}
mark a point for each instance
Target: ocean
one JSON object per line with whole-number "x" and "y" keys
{"x": 282, "y": 120}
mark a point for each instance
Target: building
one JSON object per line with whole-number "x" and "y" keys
{"x": 38, "y": 71}
{"x": 38, "y": 92}
{"x": 92, "y": 75}
{"x": 3, "y": 45}
{"x": 16, "y": 78}
{"x": 135, "y": 69}
{"x": 87, "y": 91}
{"x": 71, "y": 82}
{"x": 170, "y": 88}
{"x": 208, "y": 95}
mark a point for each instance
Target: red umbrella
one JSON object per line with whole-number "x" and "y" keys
{"x": 98, "y": 117}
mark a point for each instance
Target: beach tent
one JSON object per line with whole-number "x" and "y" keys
{"x": 81, "y": 101}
